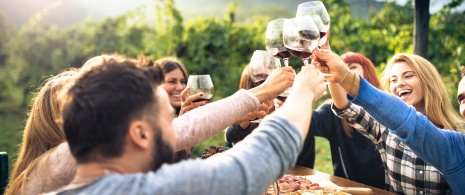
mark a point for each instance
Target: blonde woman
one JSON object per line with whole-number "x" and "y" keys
{"x": 404, "y": 131}
{"x": 41, "y": 138}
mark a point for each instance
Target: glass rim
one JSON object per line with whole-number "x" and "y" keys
{"x": 260, "y": 52}
{"x": 311, "y": 4}
{"x": 199, "y": 75}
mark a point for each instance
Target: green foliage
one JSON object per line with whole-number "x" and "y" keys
{"x": 220, "y": 48}
{"x": 216, "y": 46}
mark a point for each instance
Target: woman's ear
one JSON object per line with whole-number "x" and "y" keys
{"x": 140, "y": 134}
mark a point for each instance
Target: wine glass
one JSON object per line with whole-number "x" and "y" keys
{"x": 300, "y": 37}
{"x": 201, "y": 83}
{"x": 319, "y": 14}
{"x": 274, "y": 40}
{"x": 261, "y": 65}
{"x": 274, "y": 45}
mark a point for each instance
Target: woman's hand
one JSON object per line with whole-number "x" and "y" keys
{"x": 188, "y": 102}
{"x": 329, "y": 62}
{"x": 262, "y": 111}
{"x": 278, "y": 81}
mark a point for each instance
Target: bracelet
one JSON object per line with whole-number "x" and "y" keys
{"x": 353, "y": 81}
{"x": 344, "y": 77}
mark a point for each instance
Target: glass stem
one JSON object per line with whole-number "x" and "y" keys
{"x": 305, "y": 62}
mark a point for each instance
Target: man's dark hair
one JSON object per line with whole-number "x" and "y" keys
{"x": 102, "y": 102}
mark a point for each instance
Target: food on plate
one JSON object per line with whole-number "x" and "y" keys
{"x": 296, "y": 185}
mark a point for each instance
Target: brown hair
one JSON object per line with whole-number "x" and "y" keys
{"x": 369, "y": 74}
{"x": 246, "y": 82}
{"x": 169, "y": 64}
{"x": 43, "y": 133}
{"x": 87, "y": 108}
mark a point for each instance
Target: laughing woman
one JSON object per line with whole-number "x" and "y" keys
{"x": 403, "y": 130}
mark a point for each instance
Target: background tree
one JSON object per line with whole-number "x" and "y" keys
{"x": 216, "y": 46}
{"x": 420, "y": 32}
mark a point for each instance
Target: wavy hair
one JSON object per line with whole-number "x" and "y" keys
{"x": 43, "y": 131}
{"x": 438, "y": 107}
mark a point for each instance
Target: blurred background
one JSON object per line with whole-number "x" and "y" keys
{"x": 41, "y": 37}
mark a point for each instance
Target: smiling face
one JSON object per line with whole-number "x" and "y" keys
{"x": 174, "y": 83}
{"x": 405, "y": 84}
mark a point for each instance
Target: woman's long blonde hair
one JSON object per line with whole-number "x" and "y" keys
{"x": 42, "y": 132}
{"x": 438, "y": 107}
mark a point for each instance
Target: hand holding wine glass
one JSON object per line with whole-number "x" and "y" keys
{"x": 191, "y": 102}
{"x": 199, "y": 91}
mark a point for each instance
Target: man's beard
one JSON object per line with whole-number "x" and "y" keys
{"x": 162, "y": 151}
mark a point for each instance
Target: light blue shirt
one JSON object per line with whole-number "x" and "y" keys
{"x": 248, "y": 168}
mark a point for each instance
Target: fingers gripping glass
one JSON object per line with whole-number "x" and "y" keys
{"x": 201, "y": 83}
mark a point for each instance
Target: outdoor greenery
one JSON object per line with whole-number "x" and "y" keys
{"x": 217, "y": 46}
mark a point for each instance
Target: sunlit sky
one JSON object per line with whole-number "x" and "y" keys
{"x": 73, "y": 11}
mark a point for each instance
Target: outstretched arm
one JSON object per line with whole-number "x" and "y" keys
{"x": 443, "y": 149}
{"x": 206, "y": 121}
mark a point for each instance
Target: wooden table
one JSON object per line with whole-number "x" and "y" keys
{"x": 301, "y": 171}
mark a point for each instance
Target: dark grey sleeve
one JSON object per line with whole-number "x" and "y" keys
{"x": 235, "y": 133}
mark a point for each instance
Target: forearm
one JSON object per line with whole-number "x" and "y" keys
{"x": 297, "y": 109}
{"x": 339, "y": 96}
{"x": 361, "y": 121}
{"x": 351, "y": 84}
{"x": 253, "y": 164}
{"x": 385, "y": 108}
{"x": 204, "y": 122}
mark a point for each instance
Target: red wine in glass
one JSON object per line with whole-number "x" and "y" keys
{"x": 281, "y": 98}
{"x": 304, "y": 55}
{"x": 284, "y": 55}
{"x": 258, "y": 79}
{"x": 310, "y": 35}
{"x": 202, "y": 100}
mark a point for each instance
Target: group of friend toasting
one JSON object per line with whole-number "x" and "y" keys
{"x": 363, "y": 147}
{"x": 119, "y": 125}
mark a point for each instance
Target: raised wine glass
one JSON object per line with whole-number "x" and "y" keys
{"x": 201, "y": 83}
{"x": 319, "y": 14}
{"x": 300, "y": 37}
{"x": 274, "y": 45}
{"x": 274, "y": 40}
{"x": 261, "y": 65}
